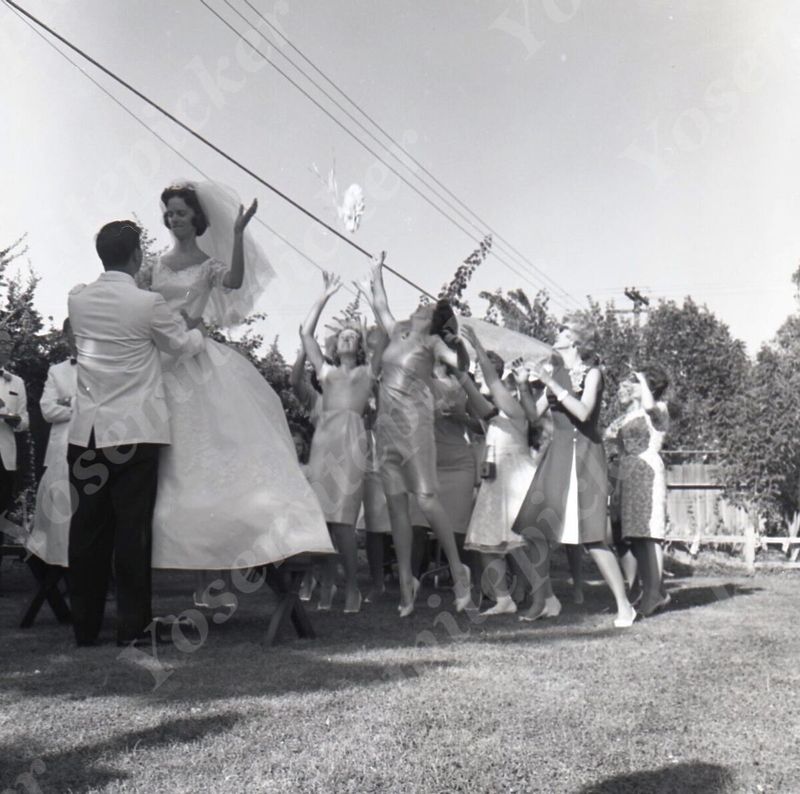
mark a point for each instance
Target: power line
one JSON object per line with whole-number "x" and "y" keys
{"x": 483, "y": 225}
{"x": 375, "y": 154}
{"x": 208, "y": 143}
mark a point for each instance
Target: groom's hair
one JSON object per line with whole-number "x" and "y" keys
{"x": 116, "y": 241}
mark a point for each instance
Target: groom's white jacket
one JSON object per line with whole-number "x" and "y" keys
{"x": 119, "y": 330}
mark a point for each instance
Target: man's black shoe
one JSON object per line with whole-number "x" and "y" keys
{"x": 158, "y": 634}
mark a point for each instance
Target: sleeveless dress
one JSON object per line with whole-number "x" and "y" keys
{"x": 456, "y": 468}
{"x": 499, "y": 500}
{"x": 231, "y": 493}
{"x": 568, "y": 499}
{"x": 338, "y": 458}
{"x": 642, "y": 481}
{"x": 404, "y": 429}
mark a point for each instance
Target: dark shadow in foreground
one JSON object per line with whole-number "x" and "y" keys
{"x": 692, "y": 776}
{"x": 87, "y": 767}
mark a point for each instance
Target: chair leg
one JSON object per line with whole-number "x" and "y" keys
{"x": 47, "y": 578}
{"x": 289, "y": 604}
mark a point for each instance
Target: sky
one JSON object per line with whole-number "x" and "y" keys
{"x": 613, "y": 143}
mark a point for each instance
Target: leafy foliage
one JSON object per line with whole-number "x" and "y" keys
{"x": 515, "y": 310}
{"x": 454, "y": 290}
{"x": 762, "y": 469}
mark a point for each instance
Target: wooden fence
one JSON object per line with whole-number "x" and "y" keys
{"x": 698, "y": 515}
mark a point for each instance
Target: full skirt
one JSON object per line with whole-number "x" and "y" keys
{"x": 231, "y": 493}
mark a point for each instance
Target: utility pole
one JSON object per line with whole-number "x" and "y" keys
{"x": 640, "y": 303}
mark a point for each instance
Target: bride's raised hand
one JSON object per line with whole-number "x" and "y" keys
{"x": 244, "y": 217}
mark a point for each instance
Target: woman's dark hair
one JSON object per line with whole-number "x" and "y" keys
{"x": 188, "y": 195}
{"x": 442, "y": 314}
{"x": 115, "y": 243}
{"x": 657, "y": 379}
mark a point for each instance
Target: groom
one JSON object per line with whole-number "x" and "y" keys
{"x": 118, "y": 424}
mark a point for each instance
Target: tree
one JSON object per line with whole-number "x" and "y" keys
{"x": 707, "y": 369}
{"x": 454, "y": 290}
{"x": 30, "y": 360}
{"x": 515, "y": 310}
{"x": 762, "y": 469}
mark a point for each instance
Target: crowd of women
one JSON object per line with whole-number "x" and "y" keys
{"x": 412, "y": 438}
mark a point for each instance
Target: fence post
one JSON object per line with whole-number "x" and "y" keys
{"x": 750, "y": 548}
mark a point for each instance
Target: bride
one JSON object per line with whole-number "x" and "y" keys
{"x": 230, "y": 490}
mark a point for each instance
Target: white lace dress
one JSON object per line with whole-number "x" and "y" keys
{"x": 499, "y": 500}
{"x": 231, "y": 493}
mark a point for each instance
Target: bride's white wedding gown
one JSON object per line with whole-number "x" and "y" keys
{"x": 231, "y": 493}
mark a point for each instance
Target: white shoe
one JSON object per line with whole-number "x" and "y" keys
{"x": 505, "y": 606}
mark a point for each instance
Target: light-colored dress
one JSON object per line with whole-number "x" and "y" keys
{"x": 642, "y": 481}
{"x": 404, "y": 430}
{"x": 231, "y": 493}
{"x": 338, "y": 458}
{"x": 500, "y": 499}
{"x": 49, "y": 538}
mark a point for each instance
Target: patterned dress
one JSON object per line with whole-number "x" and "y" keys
{"x": 568, "y": 498}
{"x": 642, "y": 480}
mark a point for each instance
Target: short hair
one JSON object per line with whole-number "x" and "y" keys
{"x": 657, "y": 379}
{"x": 586, "y": 337}
{"x": 116, "y": 241}
{"x": 497, "y": 362}
{"x": 188, "y": 194}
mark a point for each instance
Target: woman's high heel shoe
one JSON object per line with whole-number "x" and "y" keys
{"x": 627, "y": 622}
{"x": 406, "y": 610}
{"x": 504, "y": 606}
{"x": 462, "y": 602}
{"x": 551, "y": 609}
{"x": 326, "y": 598}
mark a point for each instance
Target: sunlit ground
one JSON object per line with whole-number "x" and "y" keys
{"x": 705, "y": 698}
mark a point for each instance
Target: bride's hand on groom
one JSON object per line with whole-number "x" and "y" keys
{"x": 194, "y": 322}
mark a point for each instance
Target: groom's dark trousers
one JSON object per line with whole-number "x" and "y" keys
{"x": 114, "y": 493}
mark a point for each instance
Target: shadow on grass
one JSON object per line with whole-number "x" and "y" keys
{"x": 690, "y": 597}
{"x": 86, "y": 768}
{"x": 688, "y": 777}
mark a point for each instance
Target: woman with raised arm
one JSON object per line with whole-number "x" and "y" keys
{"x": 231, "y": 493}
{"x": 338, "y": 459}
{"x": 405, "y": 436}
{"x": 503, "y": 490}
{"x": 568, "y": 498}
{"x": 639, "y": 435}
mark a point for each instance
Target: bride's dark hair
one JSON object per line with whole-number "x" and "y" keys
{"x": 188, "y": 195}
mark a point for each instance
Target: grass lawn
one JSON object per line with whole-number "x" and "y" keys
{"x": 703, "y": 698}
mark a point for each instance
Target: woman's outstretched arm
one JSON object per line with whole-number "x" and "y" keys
{"x": 380, "y": 302}
{"x": 331, "y": 284}
{"x": 503, "y": 399}
{"x": 580, "y": 407}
